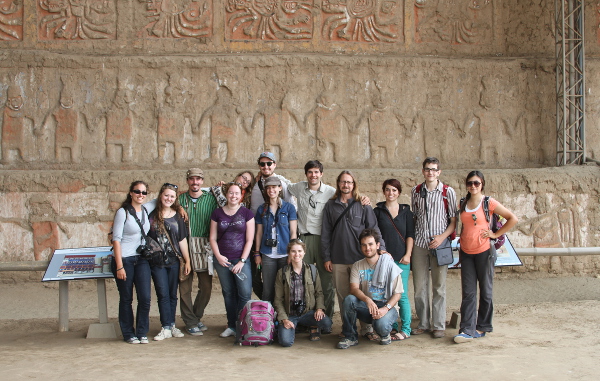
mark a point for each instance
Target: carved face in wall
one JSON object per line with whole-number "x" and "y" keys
{"x": 14, "y": 99}
{"x": 54, "y": 6}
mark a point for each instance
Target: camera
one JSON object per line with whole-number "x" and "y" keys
{"x": 143, "y": 250}
{"x": 271, "y": 242}
{"x": 298, "y": 307}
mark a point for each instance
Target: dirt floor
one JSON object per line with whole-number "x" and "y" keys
{"x": 545, "y": 329}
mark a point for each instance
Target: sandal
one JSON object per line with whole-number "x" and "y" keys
{"x": 399, "y": 336}
{"x": 419, "y": 331}
{"x": 372, "y": 336}
{"x": 315, "y": 334}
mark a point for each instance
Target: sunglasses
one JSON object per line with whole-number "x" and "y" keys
{"x": 474, "y": 217}
{"x": 137, "y": 191}
{"x": 312, "y": 202}
{"x": 267, "y": 163}
{"x": 473, "y": 183}
{"x": 170, "y": 185}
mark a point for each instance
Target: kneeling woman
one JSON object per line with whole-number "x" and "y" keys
{"x": 299, "y": 297}
{"x": 168, "y": 228}
{"x": 477, "y": 258}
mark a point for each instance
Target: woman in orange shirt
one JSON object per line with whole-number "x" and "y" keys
{"x": 477, "y": 258}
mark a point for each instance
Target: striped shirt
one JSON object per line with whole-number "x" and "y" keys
{"x": 438, "y": 217}
{"x": 199, "y": 212}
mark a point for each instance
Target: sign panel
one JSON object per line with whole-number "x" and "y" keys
{"x": 507, "y": 256}
{"x": 81, "y": 263}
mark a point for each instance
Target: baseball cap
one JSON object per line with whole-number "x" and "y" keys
{"x": 268, "y": 155}
{"x": 194, "y": 172}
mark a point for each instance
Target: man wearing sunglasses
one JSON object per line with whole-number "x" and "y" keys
{"x": 199, "y": 205}
{"x": 432, "y": 227}
{"x": 267, "y": 165}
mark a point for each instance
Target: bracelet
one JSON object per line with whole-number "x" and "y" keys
{"x": 257, "y": 255}
{"x": 121, "y": 268}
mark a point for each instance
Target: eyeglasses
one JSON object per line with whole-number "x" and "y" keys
{"x": 312, "y": 202}
{"x": 473, "y": 183}
{"x": 474, "y": 217}
{"x": 137, "y": 191}
{"x": 170, "y": 185}
{"x": 430, "y": 169}
{"x": 346, "y": 182}
{"x": 267, "y": 163}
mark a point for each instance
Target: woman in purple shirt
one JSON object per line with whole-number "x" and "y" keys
{"x": 231, "y": 235}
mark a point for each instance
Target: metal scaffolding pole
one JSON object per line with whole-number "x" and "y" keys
{"x": 570, "y": 82}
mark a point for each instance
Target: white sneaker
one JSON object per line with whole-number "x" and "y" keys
{"x": 228, "y": 332}
{"x": 164, "y": 333}
{"x": 202, "y": 327}
{"x": 176, "y": 332}
{"x": 144, "y": 340}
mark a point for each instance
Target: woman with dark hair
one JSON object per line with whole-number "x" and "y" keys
{"x": 276, "y": 224}
{"x": 477, "y": 257}
{"x": 397, "y": 226}
{"x": 245, "y": 179}
{"x": 231, "y": 235}
{"x": 129, "y": 268}
{"x": 168, "y": 228}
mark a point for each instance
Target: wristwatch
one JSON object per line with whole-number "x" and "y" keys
{"x": 243, "y": 260}
{"x": 388, "y": 306}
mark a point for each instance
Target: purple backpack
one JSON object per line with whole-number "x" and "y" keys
{"x": 256, "y": 323}
{"x": 495, "y": 224}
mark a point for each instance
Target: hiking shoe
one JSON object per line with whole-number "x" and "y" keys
{"x": 227, "y": 332}
{"x": 144, "y": 340}
{"x": 164, "y": 333}
{"x": 176, "y": 332}
{"x": 386, "y": 340}
{"x": 132, "y": 340}
{"x": 462, "y": 338}
{"x": 202, "y": 327}
{"x": 195, "y": 331}
{"x": 439, "y": 333}
{"x": 346, "y": 343}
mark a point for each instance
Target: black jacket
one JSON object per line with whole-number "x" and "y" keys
{"x": 405, "y": 223}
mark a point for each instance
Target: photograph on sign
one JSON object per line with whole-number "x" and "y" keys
{"x": 80, "y": 263}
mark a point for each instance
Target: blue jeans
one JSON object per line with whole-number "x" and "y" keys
{"x": 404, "y": 302}
{"x": 287, "y": 336}
{"x": 269, "y": 270}
{"x": 236, "y": 292}
{"x": 137, "y": 272}
{"x": 357, "y": 309}
{"x": 166, "y": 281}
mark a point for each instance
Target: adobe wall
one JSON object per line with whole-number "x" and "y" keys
{"x": 98, "y": 93}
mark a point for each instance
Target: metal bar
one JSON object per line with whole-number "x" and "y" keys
{"x": 63, "y": 306}
{"x": 557, "y": 251}
{"x": 24, "y": 266}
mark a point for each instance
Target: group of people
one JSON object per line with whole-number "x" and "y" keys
{"x": 299, "y": 245}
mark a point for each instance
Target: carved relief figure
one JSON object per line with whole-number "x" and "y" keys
{"x": 385, "y": 130}
{"x": 67, "y": 123}
{"x": 43, "y": 221}
{"x": 11, "y": 20}
{"x": 17, "y": 130}
{"x": 172, "y": 117}
{"x": 331, "y": 128}
{"x": 269, "y": 19}
{"x": 225, "y": 125}
{"x": 77, "y": 19}
{"x": 278, "y": 124}
{"x": 119, "y": 127}
{"x": 361, "y": 20}
{"x": 453, "y": 21}
{"x": 178, "y": 18}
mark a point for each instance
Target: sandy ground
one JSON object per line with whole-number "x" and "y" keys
{"x": 545, "y": 329}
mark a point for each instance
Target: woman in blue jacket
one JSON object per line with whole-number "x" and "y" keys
{"x": 276, "y": 224}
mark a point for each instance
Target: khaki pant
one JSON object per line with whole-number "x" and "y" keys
{"x": 191, "y": 313}
{"x": 313, "y": 255}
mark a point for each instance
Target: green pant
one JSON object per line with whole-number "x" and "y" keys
{"x": 404, "y": 302}
{"x": 313, "y": 255}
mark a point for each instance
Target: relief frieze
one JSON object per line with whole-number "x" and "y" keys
{"x": 77, "y": 19}
{"x": 11, "y": 20}
{"x": 177, "y": 18}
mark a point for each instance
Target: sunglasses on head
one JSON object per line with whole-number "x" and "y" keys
{"x": 267, "y": 163}
{"x": 170, "y": 185}
{"x": 137, "y": 191}
{"x": 475, "y": 183}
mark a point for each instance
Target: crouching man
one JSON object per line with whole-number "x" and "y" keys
{"x": 375, "y": 288}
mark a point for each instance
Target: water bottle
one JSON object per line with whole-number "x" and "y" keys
{"x": 240, "y": 275}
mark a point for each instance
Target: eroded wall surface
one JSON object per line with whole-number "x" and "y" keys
{"x": 97, "y": 93}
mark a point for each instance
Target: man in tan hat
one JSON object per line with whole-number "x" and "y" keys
{"x": 199, "y": 205}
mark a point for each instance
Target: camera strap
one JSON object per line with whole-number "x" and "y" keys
{"x": 342, "y": 215}
{"x": 131, "y": 211}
